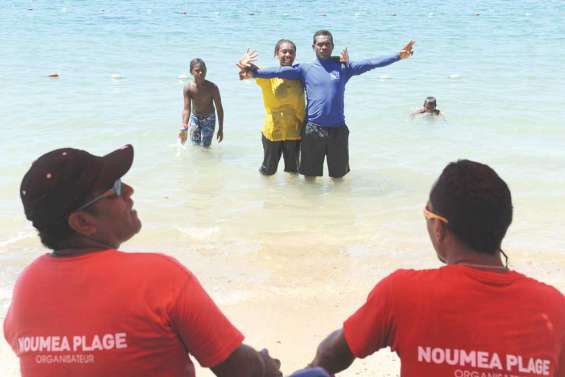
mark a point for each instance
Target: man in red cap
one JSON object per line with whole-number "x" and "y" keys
{"x": 89, "y": 309}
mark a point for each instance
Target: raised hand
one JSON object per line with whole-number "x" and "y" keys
{"x": 407, "y": 51}
{"x": 344, "y": 56}
{"x": 247, "y": 59}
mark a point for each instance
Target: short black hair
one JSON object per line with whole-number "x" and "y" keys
{"x": 54, "y": 235}
{"x": 280, "y": 42}
{"x": 430, "y": 99}
{"x": 322, "y": 32}
{"x": 476, "y": 202}
{"x": 195, "y": 61}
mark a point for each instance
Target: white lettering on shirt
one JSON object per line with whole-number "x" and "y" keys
{"x": 80, "y": 343}
{"x": 483, "y": 360}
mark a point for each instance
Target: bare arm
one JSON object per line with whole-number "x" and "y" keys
{"x": 218, "y": 102}
{"x": 186, "y": 109}
{"x": 333, "y": 353}
{"x": 183, "y": 134}
{"x": 422, "y": 110}
{"x": 246, "y": 362}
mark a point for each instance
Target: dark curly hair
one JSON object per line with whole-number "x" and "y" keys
{"x": 325, "y": 33}
{"x": 280, "y": 42}
{"x": 477, "y": 203}
{"x": 54, "y": 235}
{"x": 195, "y": 61}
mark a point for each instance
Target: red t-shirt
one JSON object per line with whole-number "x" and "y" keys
{"x": 460, "y": 321}
{"x": 111, "y": 313}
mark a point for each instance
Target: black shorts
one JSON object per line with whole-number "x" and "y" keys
{"x": 272, "y": 150}
{"x": 319, "y": 142}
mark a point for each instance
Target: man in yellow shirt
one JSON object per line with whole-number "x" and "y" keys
{"x": 284, "y": 112}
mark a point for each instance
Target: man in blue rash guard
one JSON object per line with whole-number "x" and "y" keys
{"x": 325, "y": 133}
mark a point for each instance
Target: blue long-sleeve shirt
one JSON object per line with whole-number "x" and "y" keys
{"x": 324, "y": 81}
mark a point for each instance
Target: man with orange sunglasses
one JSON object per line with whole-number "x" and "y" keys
{"x": 472, "y": 317}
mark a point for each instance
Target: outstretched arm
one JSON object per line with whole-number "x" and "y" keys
{"x": 333, "y": 353}
{"x": 286, "y": 72}
{"x": 248, "y": 69}
{"x": 246, "y": 362}
{"x": 363, "y": 66}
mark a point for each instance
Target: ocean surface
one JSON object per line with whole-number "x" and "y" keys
{"x": 495, "y": 67}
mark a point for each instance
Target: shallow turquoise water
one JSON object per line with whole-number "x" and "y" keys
{"x": 505, "y": 107}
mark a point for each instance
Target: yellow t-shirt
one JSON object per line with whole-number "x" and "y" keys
{"x": 284, "y": 108}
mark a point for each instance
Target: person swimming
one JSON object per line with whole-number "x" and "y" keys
{"x": 428, "y": 109}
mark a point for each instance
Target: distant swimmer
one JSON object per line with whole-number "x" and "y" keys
{"x": 429, "y": 109}
{"x": 202, "y": 99}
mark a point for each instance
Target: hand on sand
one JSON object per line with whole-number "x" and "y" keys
{"x": 344, "y": 56}
{"x": 407, "y": 51}
{"x": 272, "y": 366}
{"x": 220, "y": 136}
{"x": 183, "y": 135}
{"x": 247, "y": 59}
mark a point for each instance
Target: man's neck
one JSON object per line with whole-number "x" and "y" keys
{"x": 468, "y": 256}
{"x": 81, "y": 246}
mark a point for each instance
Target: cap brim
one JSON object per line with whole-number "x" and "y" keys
{"x": 115, "y": 165}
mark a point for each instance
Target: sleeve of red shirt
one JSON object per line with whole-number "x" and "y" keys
{"x": 371, "y": 327}
{"x": 561, "y": 366}
{"x": 206, "y": 332}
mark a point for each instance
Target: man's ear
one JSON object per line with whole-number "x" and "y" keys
{"x": 440, "y": 231}
{"x": 82, "y": 222}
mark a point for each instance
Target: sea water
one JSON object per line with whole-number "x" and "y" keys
{"x": 495, "y": 67}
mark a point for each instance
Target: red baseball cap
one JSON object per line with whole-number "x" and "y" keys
{"x": 60, "y": 181}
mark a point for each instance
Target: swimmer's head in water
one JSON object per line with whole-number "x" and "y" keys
{"x": 323, "y": 44}
{"x": 198, "y": 69}
{"x": 430, "y": 103}
{"x": 285, "y": 51}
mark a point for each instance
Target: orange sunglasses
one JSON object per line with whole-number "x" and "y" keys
{"x": 429, "y": 215}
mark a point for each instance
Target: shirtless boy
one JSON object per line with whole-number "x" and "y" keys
{"x": 202, "y": 98}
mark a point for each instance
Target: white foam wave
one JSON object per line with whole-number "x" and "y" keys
{"x": 18, "y": 237}
{"x": 199, "y": 233}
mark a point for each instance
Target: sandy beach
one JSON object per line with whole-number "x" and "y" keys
{"x": 288, "y": 261}
{"x": 289, "y": 299}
